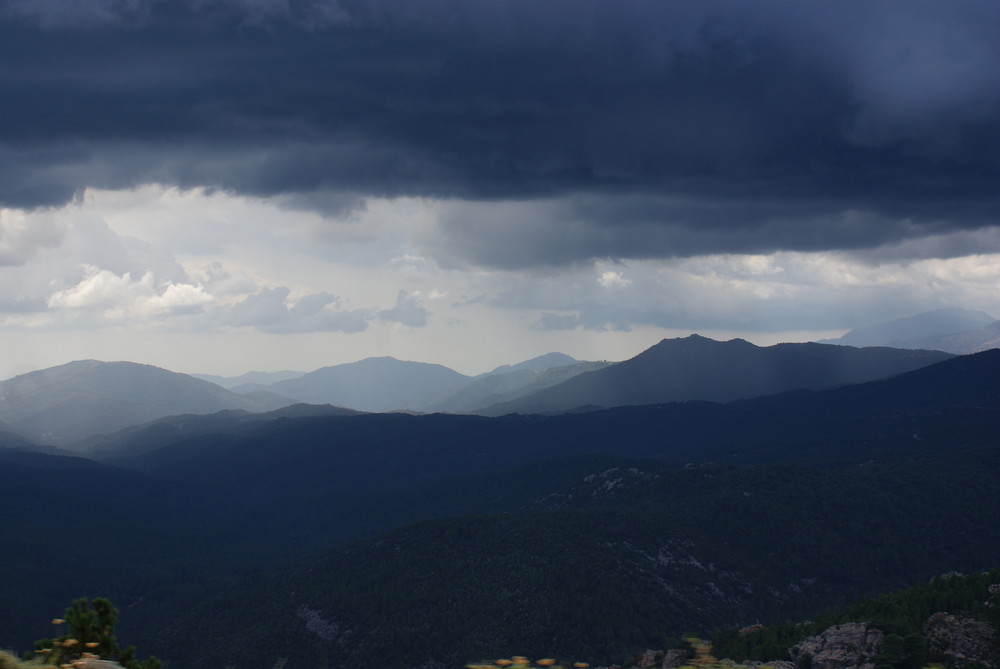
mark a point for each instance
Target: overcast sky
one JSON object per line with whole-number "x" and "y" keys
{"x": 225, "y": 185}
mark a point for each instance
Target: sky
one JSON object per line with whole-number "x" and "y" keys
{"x": 218, "y": 186}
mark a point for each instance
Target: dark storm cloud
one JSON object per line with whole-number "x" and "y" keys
{"x": 645, "y": 128}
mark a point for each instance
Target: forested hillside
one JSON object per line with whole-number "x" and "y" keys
{"x": 616, "y": 563}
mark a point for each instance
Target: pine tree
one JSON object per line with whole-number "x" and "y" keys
{"x": 90, "y": 632}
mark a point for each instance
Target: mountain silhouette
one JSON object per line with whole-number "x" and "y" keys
{"x": 501, "y": 386}
{"x": 698, "y": 368}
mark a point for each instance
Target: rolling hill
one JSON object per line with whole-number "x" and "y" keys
{"x": 372, "y": 384}
{"x": 387, "y": 384}
{"x": 63, "y": 404}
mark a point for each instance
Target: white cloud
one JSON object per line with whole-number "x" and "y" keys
{"x": 750, "y": 294}
{"x": 104, "y": 294}
{"x": 611, "y": 279}
{"x": 99, "y": 289}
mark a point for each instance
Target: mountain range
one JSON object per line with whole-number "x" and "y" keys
{"x": 691, "y": 368}
{"x": 698, "y": 368}
{"x": 71, "y": 405}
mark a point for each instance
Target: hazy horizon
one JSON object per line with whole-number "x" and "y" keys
{"x": 473, "y": 369}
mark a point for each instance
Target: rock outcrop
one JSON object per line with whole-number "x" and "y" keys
{"x": 649, "y": 659}
{"x": 847, "y": 646}
{"x": 674, "y": 658}
{"x": 964, "y": 641}
{"x": 92, "y": 663}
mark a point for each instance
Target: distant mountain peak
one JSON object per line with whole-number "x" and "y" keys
{"x": 62, "y": 404}
{"x": 923, "y": 330}
{"x": 698, "y": 340}
{"x": 537, "y": 364}
{"x": 373, "y": 384}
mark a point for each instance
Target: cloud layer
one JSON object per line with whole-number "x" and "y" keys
{"x": 634, "y": 129}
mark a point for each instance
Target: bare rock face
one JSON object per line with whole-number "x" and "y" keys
{"x": 964, "y": 641}
{"x": 674, "y": 658}
{"x": 847, "y": 646}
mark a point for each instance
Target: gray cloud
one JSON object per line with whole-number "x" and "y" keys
{"x": 563, "y": 231}
{"x": 549, "y": 321}
{"x": 642, "y": 128}
{"x": 20, "y": 241}
{"x": 746, "y": 293}
{"x": 407, "y": 311}
{"x": 23, "y": 305}
{"x": 269, "y": 311}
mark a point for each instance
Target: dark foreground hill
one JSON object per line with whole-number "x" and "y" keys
{"x": 609, "y": 567}
{"x": 139, "y": 439}
{"x": 72, "y": 527}
{"x": 697, "y": 368}
{"x": 63, "y": 404}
